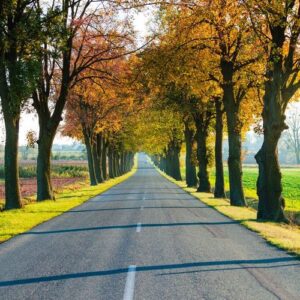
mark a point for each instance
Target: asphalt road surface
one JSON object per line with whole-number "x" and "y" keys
{"x": 145, "y": 239}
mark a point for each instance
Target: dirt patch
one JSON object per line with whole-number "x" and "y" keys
{"x": 28, "y": 186}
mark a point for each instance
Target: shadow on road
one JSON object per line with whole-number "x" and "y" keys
{"x": 251, "y": 263}
{"x": 129, "y": 226}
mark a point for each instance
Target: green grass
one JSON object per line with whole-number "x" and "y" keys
{"x": 290, "y": 183}
{"x": 17, "y": 221}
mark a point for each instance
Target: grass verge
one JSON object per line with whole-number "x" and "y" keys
{"x": 17, "y": 221}
{"x": 286, "y": 237}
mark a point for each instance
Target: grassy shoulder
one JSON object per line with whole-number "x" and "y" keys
{"x": 284, "y": 236}
{"x": 17, "y": 221}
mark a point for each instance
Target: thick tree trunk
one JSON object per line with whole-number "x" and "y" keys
{"x": 11, "y": 109}
{"x": 269, "y": 186}
{"x": 237, "y": 197}
{"x": 104, "y": 160}
{"x": 111, "y": 164}
{"x": 122, "y": 163}
{"x": 202, "y": 155}
{"x": 190, "y": 168}
{"x": 118, "y": 164}
{"x": 176, "y": 163}
{"x": 219, "y": 191}
{"x": 234, "y": 125}
{"x": 162, "y": 163}
{"x": 96, "y": 161}
{"x": 202, "y": 122}
{"x": 88, "y": 145}
{"x": 12, "y": 186}
{"x": 168, "y": 163}
{"x": 173, "y": 160}
{"x": 44, "y": 186}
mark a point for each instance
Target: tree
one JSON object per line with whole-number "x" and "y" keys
{"x": 221, "y": 31}
{"x": 81, "y": 37}
{"x": 219, "y": 191}
{"x": 276, "y": 24}
{"x": 19, "y": 32}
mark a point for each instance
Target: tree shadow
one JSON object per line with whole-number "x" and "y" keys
{"x": 113, "y": 227}
{"x": 138, "y": 200}
{"x": 240, "y": 264}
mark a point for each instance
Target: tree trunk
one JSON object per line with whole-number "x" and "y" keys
{"x": 237, "y": 197}
{"x": 116, "y": 164}
{"x": 202, "y": 123}
{"x": 12, "y": 185}
{"x": 219, "y": 191}
{"x": 173, "y": 160}
{"x": 104, "y": 160}
{"x": 168, "y": 163}
{"x": 190, "y": 168}
{"x": 44, "y": 186}
{"x": 162, "y": 163}
{"x": 202, "y": 154}
{"x": 176, "y": 173}
{"x": 96, "y": 161}
{"x": 11, "y": 109}
{"x": 88, "y": 145}
{"x": 234, "y": 125}
{"x": 269, "y": 186}
{"x": 118, "y": 167}
{"x": 111, "y": 163}
{"x": 122, "y": 163}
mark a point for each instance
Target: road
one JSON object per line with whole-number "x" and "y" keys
{"x": 145, "y": 239}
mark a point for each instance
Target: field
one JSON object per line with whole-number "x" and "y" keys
{"x": 290, "y": 182}
{"x": 63, "y": 173}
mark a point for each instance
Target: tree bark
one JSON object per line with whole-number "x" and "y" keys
{"x": 111, "y": 163}
{"x": 190, "y": 168}
{"x": 168, "y": 163}
{"x": 269, "y": 186}
{"x": 89, "y": 150}
{"x": 162, "y": 163}
{"x": 96, "y": 160}
{"x": 12, "y": 186}
{"x": 104, "y": 159}
{"x": 44, "y": 187}
{"x": 173, "y": 159}
{"x": 219, "y": 191}
{"x": 234, "y": 125}
{"x": 118, "y": 164}
{"x": 123, "y": 162}
{"x": 237, "y": 197}
{"x": 202, "y": 124}
{"x": 204, "y": 183}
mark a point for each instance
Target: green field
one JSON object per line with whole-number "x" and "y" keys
{"x": 290, "y": 182}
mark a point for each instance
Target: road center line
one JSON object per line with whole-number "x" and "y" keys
{"x": 138, "y": 227}
{"x": 129, "y": 285}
